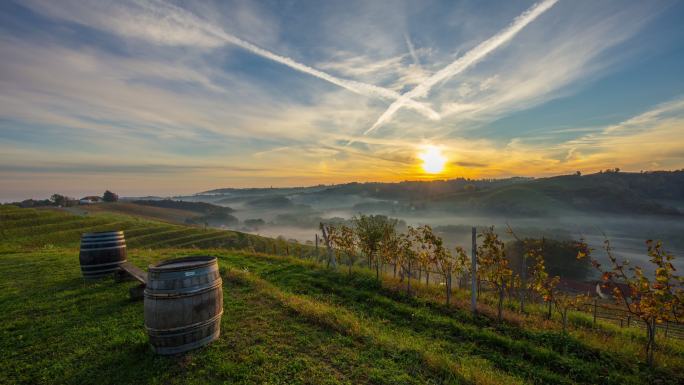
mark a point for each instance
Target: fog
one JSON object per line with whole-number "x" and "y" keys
{"x": 299, "y": 217}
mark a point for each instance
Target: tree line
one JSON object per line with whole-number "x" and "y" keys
{"x": 60, "y": 200}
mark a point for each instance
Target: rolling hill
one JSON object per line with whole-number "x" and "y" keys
{"x": 619, "y": 193}
{"x": 46, "y": 228}
{"x": 286, "y": 321}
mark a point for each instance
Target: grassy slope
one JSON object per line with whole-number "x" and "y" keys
{"x": 285, "y": 321}
{"x": 30, "y": 228}
{"x": 149, "y": 212}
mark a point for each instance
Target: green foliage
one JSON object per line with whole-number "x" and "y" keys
{"x": 109, "y": 196}
{"x": 61, "y": 200}
{"x": 344, "y": 241}
{"x": 370, "y": 230}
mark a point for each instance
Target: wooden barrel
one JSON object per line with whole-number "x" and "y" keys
{"x": 102, "y": 253}
{"x": 183, "y": 304}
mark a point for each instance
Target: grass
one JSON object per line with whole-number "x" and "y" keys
{"x": 285, "y": 321}
{"x": 165, "y": 214}
{"x": 30, "y": 229}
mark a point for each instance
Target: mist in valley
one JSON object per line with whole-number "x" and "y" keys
{"x": 296, "y": 214}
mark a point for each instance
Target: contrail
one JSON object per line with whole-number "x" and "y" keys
{"x": 184, "y": 17}
{"x": 412, "y": 50}
{"x": 461, "y": 64}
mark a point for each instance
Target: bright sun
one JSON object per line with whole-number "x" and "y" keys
{"x": 433, "y": 160}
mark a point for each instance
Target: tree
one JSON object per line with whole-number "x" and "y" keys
{"x": 547, "y": 287}
{"x": 545, "y": 284}
{"x": 370, "y": 230}
{"x": 540, "y": 281}
{"x": 493, "y": 265}
{"x": 435, "y": 253}
{"x": 389, "y": 245}
{"x": 344, "y": 241}
{"x": 427, "y": 249}
{"x": 407, "y": 255}
{"x": 109, "y": 196}
{"x": 652, "y": 300}
{"x": 329, "y": 234}
{"x": 59, "y": 200}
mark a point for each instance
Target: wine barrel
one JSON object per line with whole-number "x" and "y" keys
{"x": 102, "y": 253}
{"x": 183, "y": 304}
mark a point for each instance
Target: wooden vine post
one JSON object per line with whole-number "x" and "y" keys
{"x": 328, "y": 244}
{"x": 473, "y": 273}
{"x": 316, "y": 246}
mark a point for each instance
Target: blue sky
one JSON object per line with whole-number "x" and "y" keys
{"x": 176, "y": 97}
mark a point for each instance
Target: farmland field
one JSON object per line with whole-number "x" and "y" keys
{"x": 285, "y": 320}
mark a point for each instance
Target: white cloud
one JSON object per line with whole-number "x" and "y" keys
{"x": 164, "y": 23}
{"x": 464, "y": 62}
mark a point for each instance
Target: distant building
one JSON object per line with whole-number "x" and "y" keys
{"x": 89, "y": 200}
{"x": 577, "y": 287}
{"x": 591, "y": 288}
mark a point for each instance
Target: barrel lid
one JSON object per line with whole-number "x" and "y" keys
{"x": 185, "y": 263}
{"x": 103, "y": 233}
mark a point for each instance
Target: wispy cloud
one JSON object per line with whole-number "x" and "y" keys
{"x": 665, "y": 116}
{"x": 164, "y": 23}
{"x": 461, "y": 64}
{"x": 412, "y": 50}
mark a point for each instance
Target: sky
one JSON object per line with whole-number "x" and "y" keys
{"x": 164, "y": 98}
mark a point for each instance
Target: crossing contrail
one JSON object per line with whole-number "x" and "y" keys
{"x": 412, "y": 50}
{"x": 185, "y": 18}
{"x": 461, "y": 64}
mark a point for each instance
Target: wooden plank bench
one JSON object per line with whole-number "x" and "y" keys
{"x": 130, "y": 271}
{"x": 135, "y": 272}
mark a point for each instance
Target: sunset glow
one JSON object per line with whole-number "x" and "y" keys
{"x": 433, "y": 160}
{"x": 175, "y": 98}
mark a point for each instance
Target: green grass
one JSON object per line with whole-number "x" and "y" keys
{"x": 31, "y": 229}
{"x": 285, "y": 321}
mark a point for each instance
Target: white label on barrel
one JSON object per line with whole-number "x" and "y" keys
{"x": 189, "y": 273}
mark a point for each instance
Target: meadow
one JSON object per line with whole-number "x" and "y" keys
{"x": 286, "y": 320}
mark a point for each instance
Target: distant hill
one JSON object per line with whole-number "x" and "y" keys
{"x": 659, "y": 193}
{"x": 199, "y": 207}
{"x": 260, "y": 190}
{"x": 651, "y": 193}
{"x": 409, "y": 190}
{"x": 165, "y": 214}
{"x": 178, "y": 212}
{"x": 270, "y": 202}
{"x": 209, "y": 213}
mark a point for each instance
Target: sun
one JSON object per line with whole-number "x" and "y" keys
{"x": 433, "y": 160}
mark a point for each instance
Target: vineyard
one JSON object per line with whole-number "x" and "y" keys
{"x": 292, "y": 319}
{"x": 35, "y": 228}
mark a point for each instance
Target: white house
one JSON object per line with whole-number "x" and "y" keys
{"x": 89, "y": 200}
